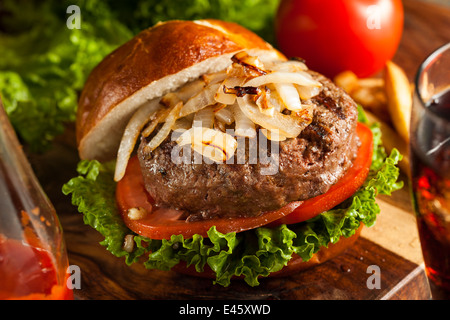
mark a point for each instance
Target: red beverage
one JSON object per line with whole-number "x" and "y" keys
{"x": 27, "y": 272}
{"x": 430, "y": 152}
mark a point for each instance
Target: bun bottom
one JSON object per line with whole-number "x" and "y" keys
{"x": 295, "y": 265}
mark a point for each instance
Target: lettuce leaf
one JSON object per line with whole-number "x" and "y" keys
{"x": 251, "y": 254}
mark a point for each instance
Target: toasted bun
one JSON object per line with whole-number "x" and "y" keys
{"x": 295, "y": 265}
{"x": 156, "y": 61}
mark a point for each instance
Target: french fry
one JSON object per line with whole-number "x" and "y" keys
{"x": 373, "y": 98}
{"x": 386, "y": 100}
{"x": 347, "y": 80}
{"x": 371, "y": 82}
{"x": 391, "y": 139}
{"x": 368, "y": 92}
{"x": 399, "y": 98}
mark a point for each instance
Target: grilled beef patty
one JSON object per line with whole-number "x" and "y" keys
{"x": 306, "y": 167}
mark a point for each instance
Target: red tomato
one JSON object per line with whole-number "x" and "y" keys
{"x": 343, "y": 189}
{"x": 337, "y": 35}
{"x": 162, "y": 223}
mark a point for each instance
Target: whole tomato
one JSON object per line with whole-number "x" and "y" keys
{"x": 337, "y": 35}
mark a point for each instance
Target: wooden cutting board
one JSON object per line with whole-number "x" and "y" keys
{"x": 392, "y": 244}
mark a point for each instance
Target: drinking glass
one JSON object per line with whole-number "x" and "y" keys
{"x": 430, "y": 167}
{"x": 33, "y": 257}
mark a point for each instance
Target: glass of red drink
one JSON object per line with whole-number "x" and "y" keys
{"x": 430, "y": 167}
{"x": 33, "y": 257}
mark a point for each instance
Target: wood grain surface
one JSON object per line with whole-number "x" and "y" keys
{"x": 392, "y": 244}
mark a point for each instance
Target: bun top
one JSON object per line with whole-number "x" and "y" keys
{"x": 158, "y": 60}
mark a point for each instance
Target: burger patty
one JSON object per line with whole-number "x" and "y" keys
{"x": 306, "y": 167}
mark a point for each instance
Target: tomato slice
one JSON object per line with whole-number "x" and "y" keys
{"x": 162, "y": 223}
{"x": 343, "y": 189}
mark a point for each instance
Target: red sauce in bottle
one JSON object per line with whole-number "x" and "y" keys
{"x": 28, "y": 272}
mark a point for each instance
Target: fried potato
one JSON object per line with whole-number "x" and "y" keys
{"x": 399, "y": 98}
{"x": 368, "y": 92}
{"x": 374, "y": 99}
{"x": 347, "y": 80}
{"x": 388, "y": 102}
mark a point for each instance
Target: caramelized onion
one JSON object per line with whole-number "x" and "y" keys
{"x": 182, "y": 124}
{"x": 251, "y": 64}
{"x": 273, "y": 135}
{"x": 222, "y": 96}
{"x": 244, "y": 127}
{"x": 169, "y": 100}
{"x": 163, "y": 133}
{"x": 264, "y": 102}
{"x": 201, "y": 100}
{"x": 204, "y": 118}
{"x": 131, "y": 134}
{"x": 213, "y": 144}
{"x": 242, "y": 91}
{"x": 190, "y": 89}
{"x": 287, "y": 125}
{"x": 289, "y": 95}
{"x": 224, "y": 114}
{"x": 307, "y": 93}
{"x": 157, "y": 118}
{"x": 288, "y": 66}
{"x": 128, "y": 243}
{"x": 305, "y": 115}
{"x": 212, "y": 78}
{"x": 300, "y": 78}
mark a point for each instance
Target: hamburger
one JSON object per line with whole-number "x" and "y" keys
{"x": 206, "y": 151}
